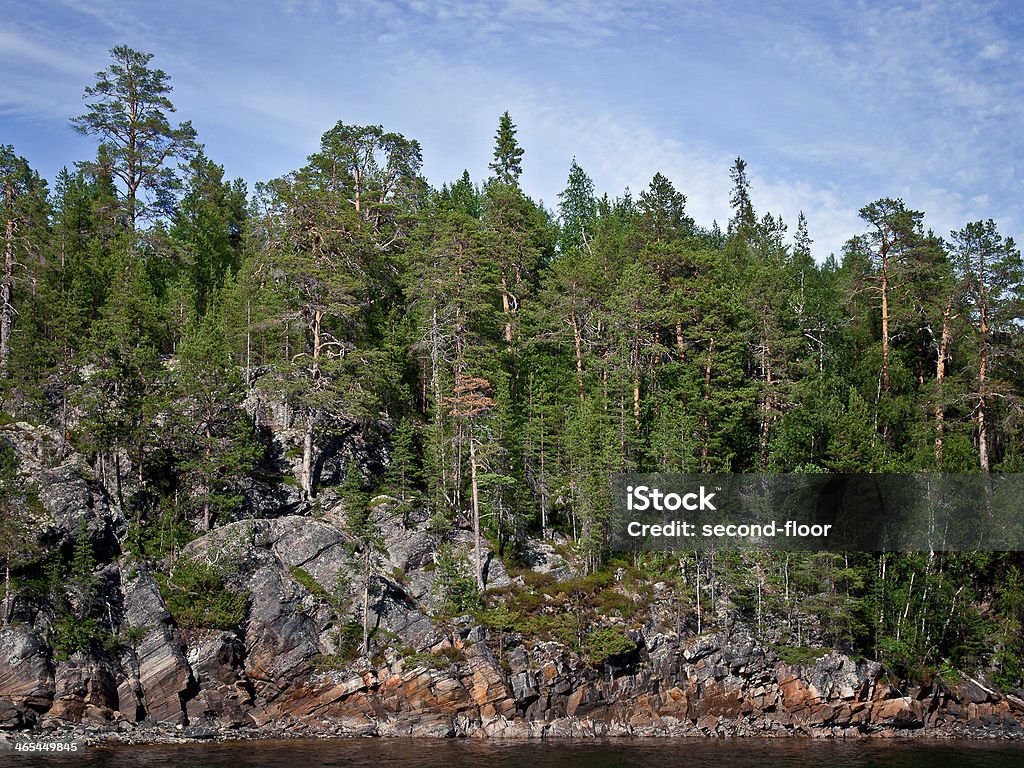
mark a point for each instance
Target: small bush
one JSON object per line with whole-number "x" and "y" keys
{"x": 197, "y": 597}
{"x": 348, "y": 645}
{"x": 72, "y": 634}
{"x": 800, "y": 655}
{"x": 537, "y": 579}
{"x": 601, "y": 644}
{"x": 443, "y": 659}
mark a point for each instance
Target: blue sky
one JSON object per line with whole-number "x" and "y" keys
{"x": 832, "y": 105}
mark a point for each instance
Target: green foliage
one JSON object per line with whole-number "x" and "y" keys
{"x": 17, "y": 503}
{"x": 455, "y": 583}
{"x": 347, "y": 642}
{"x": 601, "y": 644}
{"x": 79, "y": 623}
{"x": 197, "y": 596}
{"x": 443, "y": 659}
{"x": 311, "y": 585}
{"x": 800, "y": 655}
{"x": 508, "y": 155}
{"x": 71, "y": 634}
{"x": 129, "y": 115}
{"x": 155, "y": 319}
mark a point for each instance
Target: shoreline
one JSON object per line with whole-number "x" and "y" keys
{"x": 126, "y": 734}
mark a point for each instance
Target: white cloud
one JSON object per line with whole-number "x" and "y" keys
{"x": 994, "y": 51}
{"x": 832, "y": 105}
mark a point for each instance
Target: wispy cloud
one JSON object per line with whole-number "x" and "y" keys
{"x": 832, "y": 104}
{"x": 38, "y": 76}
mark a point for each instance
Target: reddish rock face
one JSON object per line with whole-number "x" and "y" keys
{"x": 716, "y": 700}
{"x": 85, "y": 690}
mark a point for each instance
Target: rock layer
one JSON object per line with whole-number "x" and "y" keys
{"x": 283, "y": 670}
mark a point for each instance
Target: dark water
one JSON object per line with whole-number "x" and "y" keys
{"x": 622, "y": 753}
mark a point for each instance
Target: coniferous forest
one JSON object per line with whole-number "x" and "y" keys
{"x": 504, "y": 359}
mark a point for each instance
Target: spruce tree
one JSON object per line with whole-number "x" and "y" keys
{"x": 508, "y": 155}
{"x": 577, "y": 211}
{"x": 24, "y": 211}
{"x": 208, "y": 429}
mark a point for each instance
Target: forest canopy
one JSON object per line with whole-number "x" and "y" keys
{"x": 512, "y": 357}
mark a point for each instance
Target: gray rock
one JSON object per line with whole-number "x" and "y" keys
{"x": 158, "y": 678}
{"x": 26, "y": 673}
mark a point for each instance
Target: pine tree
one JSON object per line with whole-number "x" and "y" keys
{"x": 743, "y": 222}
{"x": 991, "y": 271}
{"x": 888, "y": 245}
{"x": 662, "y": 212}
{"x": 516, "y": 241}
{"x": 128, "y": 112}
{"x": 327, "y": 229}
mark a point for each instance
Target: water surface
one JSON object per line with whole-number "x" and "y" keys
{"x": 618, "y": 753}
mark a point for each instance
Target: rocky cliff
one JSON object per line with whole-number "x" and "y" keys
{"x": 281, "y": 670}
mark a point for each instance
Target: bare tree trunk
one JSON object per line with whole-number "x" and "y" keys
{"x": 306, "y": 480}
{"x": 982, "y": 424}
{"x": 366, "y": 600}
{"x": 635, "y": 361}
{"x": 881, "y": 602}
{"x": 704, "y": 416}
{"x": 435, "y": 385}
{"x": 760, "y": 587}
{"x": 543, "y": 485}
{"x": 700, "y": 623}
{"x": 940, "y": 375}
{"x": 306, "y": 473}
{"x": 506, "y": 308}
{"x": 248, "y": 342}
{"x": 982, "y": 365}
{"x": 636, "y": 398}
{"x": 206, "y": 498}
{"x": 476, "y": 512}
{"x": 766, "y": 365}
{"x": 906, "y": 610}
{"x": 885, "y": 322}
{"x": 578, "y": 340}
{"x": 7, "y": 287}
{"x": 357, "y": 176}
{"x": 8, "y": 601}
